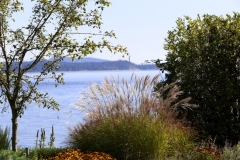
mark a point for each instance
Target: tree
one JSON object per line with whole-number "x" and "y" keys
{"x": 203, "y": 57}
{"x": 52, "y": 31}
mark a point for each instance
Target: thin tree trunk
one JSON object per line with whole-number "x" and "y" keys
{"x": 14, "y": 130}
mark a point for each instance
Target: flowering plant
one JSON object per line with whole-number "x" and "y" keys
{"x": 76, "y": 154}
{"x": 210, "y": 151}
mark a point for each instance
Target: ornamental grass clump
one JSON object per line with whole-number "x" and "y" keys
{"x": 127, "y": 120}
{"x": 5, "y": 141}
{"x": 231, "y": 153}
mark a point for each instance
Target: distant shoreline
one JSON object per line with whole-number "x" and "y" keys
{"x": 100, "y": 70}
{"x": 86, "y": 64}
{"x": 96, "y": 66}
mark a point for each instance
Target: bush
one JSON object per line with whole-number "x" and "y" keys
{"x": 138, "y": 138}
{"x": 11, "y": 155}
{"x": 126, "y": 120}
{"x": 48, "y": 152}
{"x": 203, "y": 57}
{"x": 204, "y": 155}
{"x": 206, "y": 150}
{"x": 231, "y": 153}
{"x": 5, "y": 142}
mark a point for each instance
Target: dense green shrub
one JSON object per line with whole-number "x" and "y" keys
{"x": 200, "y": 156}
{"x": 203, "y": 57}
{"x": 48, "y": 152}
{"x": 206, "y": 150}
{"x": 231, "y": 153}
{"x": 136, "y": 138}
{"x": 126, "y": 120}
{"x": 11, "y": 155}
{"x": 5, "y": 142}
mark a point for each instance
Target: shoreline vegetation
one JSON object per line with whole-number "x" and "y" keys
{"x": 110, "y": 128}
{"x": 138, "y": 125}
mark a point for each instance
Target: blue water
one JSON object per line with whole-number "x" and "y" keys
{"x": 36, "y": 118}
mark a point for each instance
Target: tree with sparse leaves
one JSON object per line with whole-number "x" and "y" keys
{"x": 52, "y": 31}
{"x": 204, "y": 57}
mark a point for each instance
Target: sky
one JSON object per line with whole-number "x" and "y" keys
{"x": 142, "y": 25}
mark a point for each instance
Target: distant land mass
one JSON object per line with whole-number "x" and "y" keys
{"x": 92, "y": 64}
{"x": 83, "y": 60}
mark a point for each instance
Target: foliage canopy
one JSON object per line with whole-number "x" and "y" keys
{"x": 203, "y": 57}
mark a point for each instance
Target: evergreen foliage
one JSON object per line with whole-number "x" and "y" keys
{"x": 204, "y": 57}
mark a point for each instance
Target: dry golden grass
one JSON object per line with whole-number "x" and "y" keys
{"x": 123, "y": 98}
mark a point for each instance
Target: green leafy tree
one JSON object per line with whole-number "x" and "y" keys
{"x": 53, "y": 30}
{"x": 203, "y": 57}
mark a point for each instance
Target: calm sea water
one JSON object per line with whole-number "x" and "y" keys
{"x": 36, "y": 118}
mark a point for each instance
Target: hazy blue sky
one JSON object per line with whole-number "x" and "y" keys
{"x": 142, "y": 25}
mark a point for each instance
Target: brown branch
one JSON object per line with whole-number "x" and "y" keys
{"x": 39, "y": 57}
{"x": 30, "y": 38}
{"x": 34, "y": 33}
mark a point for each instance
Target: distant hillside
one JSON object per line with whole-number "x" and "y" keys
{"x": 83, "y": 60}
{"x": 109, "y": 65}
{"x": 92, "y": 64}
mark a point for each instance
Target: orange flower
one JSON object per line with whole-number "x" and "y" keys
{"x": 72, "y": 154}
